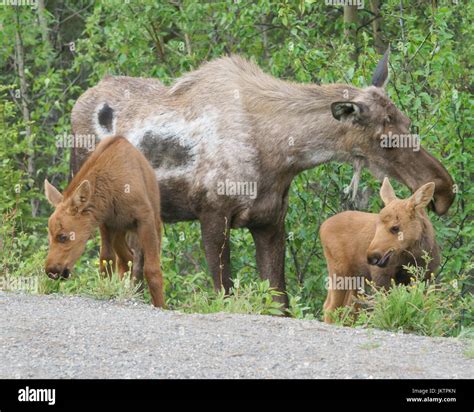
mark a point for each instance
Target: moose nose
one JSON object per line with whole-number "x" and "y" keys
{"x": 52, "y": 275}
{"x": 53, "y": 272}
{"x": 373, "y": 258}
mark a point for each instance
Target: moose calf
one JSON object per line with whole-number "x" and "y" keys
{"x": 116, "y": 189}
{"x": 374, "y": 246}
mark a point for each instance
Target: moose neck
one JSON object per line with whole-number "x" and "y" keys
{"x": 295, "y": 127}
{"x": 99, "y": 205}
{"x": 426, "y": 243}
{"x": 427, "y": 240}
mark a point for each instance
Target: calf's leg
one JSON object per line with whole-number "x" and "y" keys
{"x": 150, "y": 243}
{"x": 124, "y": 254}
{"x": 334, "y": 300}
{"x": 138, "y": 261}
{"x": 107, "y": 253}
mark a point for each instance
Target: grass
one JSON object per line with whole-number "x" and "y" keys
{"x": 469, "y": 352}
{"x": 191, "y": 293}
{"x": 252, "y": 298}
{"x": 467, "y": 335}
{"x": 423, "y": 308}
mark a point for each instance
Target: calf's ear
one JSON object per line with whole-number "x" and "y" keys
{"x": 386, "y": 192}
{"x": 422, "y": 197}
{"x": 52, "y": 194}
{"x": 81, "y": 196}
{"x": 349, "y": 111}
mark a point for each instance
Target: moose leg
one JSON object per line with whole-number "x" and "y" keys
{"x": 350, "y": 299}
{"x": 270, "y": 253}
{"x": 137, "y": 269}
{"x": 138, "y": 261}
{"x": 215, "y": 230}
{"x": 107, "y": 253}
{"x": 124, "y": 254}
{"x": 150, "y": 243}
{"x": 335, "y": 299}
{"x": 326, "y": 307}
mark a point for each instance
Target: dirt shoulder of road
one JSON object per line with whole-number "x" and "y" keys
{"x": 75, "y": 337}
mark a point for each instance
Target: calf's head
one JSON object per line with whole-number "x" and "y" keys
{"x": 69, "y": 228}
{"x": 399, "y": 224}
{"x": 379, "y": 133}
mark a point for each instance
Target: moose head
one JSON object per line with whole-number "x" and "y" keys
{"x": 69, "y": 228}
{"x": 400, "y": 224}
{"x": 378, "y": 134}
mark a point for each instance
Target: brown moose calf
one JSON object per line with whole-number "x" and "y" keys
{"x": 360, "y": 246}
{"x": 117, "y": 190}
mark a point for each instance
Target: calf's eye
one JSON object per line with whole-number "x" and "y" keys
{"x": 62, "y": 238}
{"x": 395, "y": 229}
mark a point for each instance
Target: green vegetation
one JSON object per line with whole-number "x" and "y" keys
{"x": 422, "y": 307}
{"x": 467, "y": 335}
{"x": 70, "y": 45}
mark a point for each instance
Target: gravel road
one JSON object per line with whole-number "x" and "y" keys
{"x": 75, "y": 337}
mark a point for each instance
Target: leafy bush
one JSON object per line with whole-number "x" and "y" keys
{"x": 254, "y": 298}
{"x": 422, "y": 307}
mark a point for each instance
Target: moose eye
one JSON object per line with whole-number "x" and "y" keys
{"x": 395, "y": 229}
{"x": 62, "y": 238}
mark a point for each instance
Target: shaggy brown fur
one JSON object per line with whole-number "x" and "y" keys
{"x": 115, "y": 189}
{"x": 377, "y": 246}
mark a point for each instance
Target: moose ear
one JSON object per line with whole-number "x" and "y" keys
{"x": 53, "y": 195}
{"x": 422, "y": 197}
{"x": 380, "y": 77}
{"x": 82, "y": 195}
{"x": 349, "y": 111}
{"x": 386, "y": 192}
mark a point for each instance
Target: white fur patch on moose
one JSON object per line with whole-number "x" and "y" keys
{"x": 200, "y": 151}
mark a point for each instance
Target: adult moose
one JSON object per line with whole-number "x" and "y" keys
{"x": 228, "y": 121}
